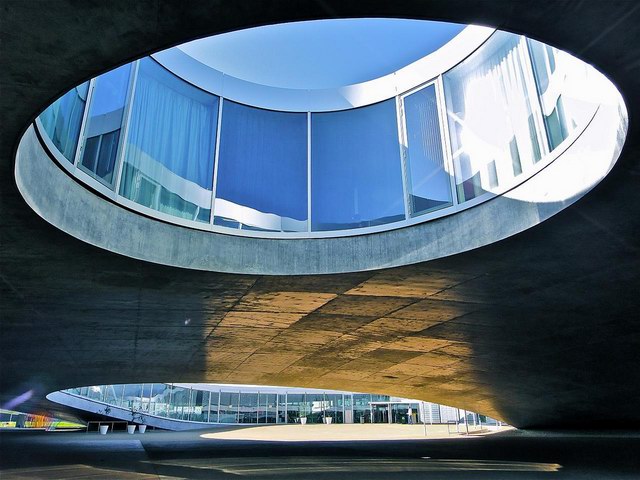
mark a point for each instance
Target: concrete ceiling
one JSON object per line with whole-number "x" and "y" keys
{"x": 541, "y": 329}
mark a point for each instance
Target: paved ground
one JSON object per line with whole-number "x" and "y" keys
{"x": 344, "y": 433}
{"x": 172, "y": 455}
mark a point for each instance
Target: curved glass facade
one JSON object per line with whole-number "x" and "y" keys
{"x": 356, "y": 178}
{"x": 63, "y": 119}
{"x": 261, "y": 180}
{"x": 168, "y": 159}
{"x": 242, "y": 404}
{"x": 155, "y": 143}
{"x": 493, "y": 116}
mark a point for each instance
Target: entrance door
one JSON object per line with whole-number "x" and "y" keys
{"x": 380, "y": 413}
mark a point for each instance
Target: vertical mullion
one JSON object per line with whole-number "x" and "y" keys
{"x": 83, "y": 124}
{"x": 445, "y": 137}
{"x": 403, "y": 144}
{"x": 216, "y": 157}
{"x": 219, "y": 399}
{"x": 126, "y": 120}
{"x": 170, "y": 400}
{"x": 238, "y": 408}
{"x": 308, "y": 171}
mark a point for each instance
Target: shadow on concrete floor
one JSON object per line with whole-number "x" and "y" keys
{"x": 514, "y": 454}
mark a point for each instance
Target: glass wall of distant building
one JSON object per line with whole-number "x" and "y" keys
{"x": 227, "y": 404}
{"x": 159, "y": 145}
{"x": 13, "y": 420}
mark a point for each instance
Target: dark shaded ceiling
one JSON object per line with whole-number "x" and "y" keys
{"x": 541, "y": 329}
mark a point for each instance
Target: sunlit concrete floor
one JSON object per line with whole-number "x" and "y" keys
{"x": 172, "y": 455}
{"x": 348, "y": 432}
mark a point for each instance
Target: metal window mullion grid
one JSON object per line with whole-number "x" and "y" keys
{"x": 126, "y": 121}
{"x": 404, "y": 161}
{"x": 401, "y": 118}
{"x": 216, "y": 159}
{"x": 83, "y": 124}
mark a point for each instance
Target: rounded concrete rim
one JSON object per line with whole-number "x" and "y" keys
{"x": 571, "y": 171}
{"x": 65, "y": 203}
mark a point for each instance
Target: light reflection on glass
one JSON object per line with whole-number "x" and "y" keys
{"x": 104, "y": 124}
{"x": 491, "y": 111}
{"x": 262, "y": 169}
{"x": 170, "y": 147}
{"x": 429, "y": 183}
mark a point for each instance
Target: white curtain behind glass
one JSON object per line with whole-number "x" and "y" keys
{"x": 170, "y": 143}
{"x": 490, "y": 115}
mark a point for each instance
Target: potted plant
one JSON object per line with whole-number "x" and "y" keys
{"x": 131, "y": 429}
{"x": 138, "y": 420}
{"x": 303, "y": 414}
{"x": 103, "y": 429}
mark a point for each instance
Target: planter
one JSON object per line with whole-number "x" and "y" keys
{"x": 103, "y": 429}
{"x": 142, "y": 428}
{"x": 328, "y": 420}
{"x": 131, "y": 429}
{"x": 303, "y": 420}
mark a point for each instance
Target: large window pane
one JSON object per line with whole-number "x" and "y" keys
{"x": 248, "y": 412}
{"x": 104, "y": 122}
{"x": 199, "y": 406}
{"x": 180, "y": 399}
{"x": 145, "y": 399}
{"x": 491, "y": 110}
{"x": 111, "y": 395}
{"x": 565, "y": 89}
{"x": 356, "y": 175}
{"x": 63, "y": 119}
{"x": 333, "y": 407}
{"x": 161, "y": 395}
{"x": 282, "y": 408}
{"x": 229, "y": 407}
{"x": 361, "y": 408}
{"x": 315, "y": 406}
{"x": 267, "y": 408}
{"x": 262, "y": 169}
{"x": 213, "y": 412}
{"x": 428, "y": 182}
{"x": 296, "y": 407}
{"x": 170, "y": 146}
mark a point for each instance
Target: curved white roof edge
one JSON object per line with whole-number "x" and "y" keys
{"x": 330, "y": 99}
